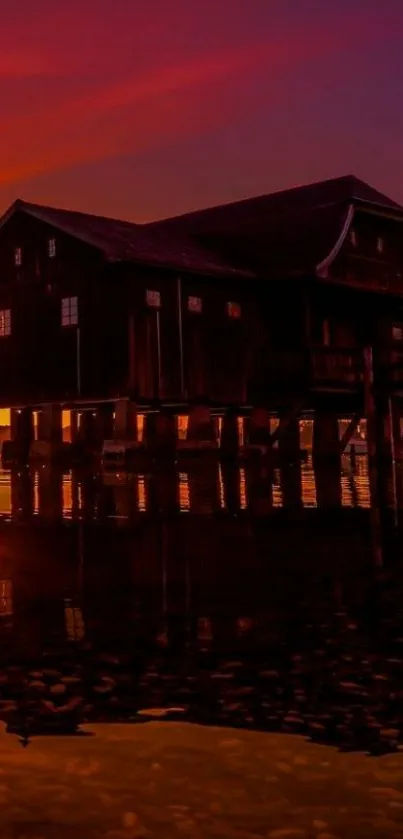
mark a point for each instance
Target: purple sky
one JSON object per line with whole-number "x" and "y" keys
{"x": 146, "y": 108}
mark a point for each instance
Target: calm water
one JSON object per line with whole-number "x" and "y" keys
{"x": 229, "y": 595}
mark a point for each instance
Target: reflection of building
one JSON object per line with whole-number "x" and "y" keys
{"x": 74, "y": 622}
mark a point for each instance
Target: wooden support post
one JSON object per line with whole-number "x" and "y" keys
{"x": 327, "y": 459}
{"x": 229, "y": 443}
{"x": 201, "y": 427}
{"x": 125, "y": 426}
{"x": 288, "y": 429}
{"x": 259, "y": 429}
{"x": 21, "y": 432}
{"x": 104, "y": 423}
{"x": 369, "y": 401}
{"x": 160, "y": 433}
{"x": 290, "y": 460}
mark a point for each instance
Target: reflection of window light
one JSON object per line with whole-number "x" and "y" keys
{"x": 6, "y": 598}
{"x": 5, "y": 323}
{"x": 74, "y": 622}
{"x": 353, "y": 238}
{"x": 241, "y": 431}
{"x": 221, "y": 487}
{"x": 242, "y": 489}
{"x": 277, "y": 489}
{"x": 140, "y": 419}
{"x": 219, "y": 429}
{"x": 36, "y": 493}
{"x": 184, "y": 496}
{"x": 67, "y": 490}
{"x": 182, "y": 423}
{"x": 308, "y": 484}
{"x": 205, "y": 629}
{"x": 141, "y": 494}
{"x": 18, "y": 256}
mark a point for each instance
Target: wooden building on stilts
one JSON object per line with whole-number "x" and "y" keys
{"x": 196, "y": 332}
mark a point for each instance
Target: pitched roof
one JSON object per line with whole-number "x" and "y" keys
{"x": 126, "y": 241}
{"x": 251, "y": 211}
{"x": 286, "y": 232}
{"x": 281, "y": 234}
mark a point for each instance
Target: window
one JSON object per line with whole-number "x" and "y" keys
{"x": 353, "y": 238}
{"x": 52, "y": 248}
{"x": 380, "y": 244}
{"x": 195, "y": 304}
{"x": 69, "y": 311}
{"x": 5, "y": 323}
{"x": 153, "y": 299}
{"x": 18, "y": 256}
{"x": 233, "y": 310}
{"x": 397, "y": 332}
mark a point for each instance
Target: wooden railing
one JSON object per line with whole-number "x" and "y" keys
{"x": 308, "y": 368}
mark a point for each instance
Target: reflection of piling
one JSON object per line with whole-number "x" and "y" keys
{"x": 327, "y": 459}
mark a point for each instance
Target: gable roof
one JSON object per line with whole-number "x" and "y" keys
{"x": 286, "y": 233}
{"x": 128, "y": 242}
{"x": 250, "y": 212}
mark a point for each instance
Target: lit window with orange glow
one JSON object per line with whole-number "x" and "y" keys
{"x": 140, "y": 420}
{"x": 74, "y": 622}
{"x": 221, "y": 487}
{"x": 69, "y": 311}
{"x": 182, "y": 423}
{"x": 184, "y": 495}
{"x": 5, "y": 493}
{"x": 195, "y": 305}
{"x": 6, "y": 598}
{"x": 233, "y": 310}
{"x": 219, "y": 430}
{"x": 241, "y": 432}
{"x": 5, "y": 323}
{"x": 52, "y": 248}
{"x": 18, "y": 257}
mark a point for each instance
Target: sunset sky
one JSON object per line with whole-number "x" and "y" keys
{"x": 146, "y": 108}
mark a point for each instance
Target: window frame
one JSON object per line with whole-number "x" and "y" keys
{"x": 69, "y": 313}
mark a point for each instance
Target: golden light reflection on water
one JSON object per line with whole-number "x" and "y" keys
{"x": 67, "y": 495}
{"x": 277, "y": 489}
{"x": 184, "y": 495}
{"x": 308, "y": 484}
{"x": 243, "y": 495}
{"x": 141, "y": 494}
